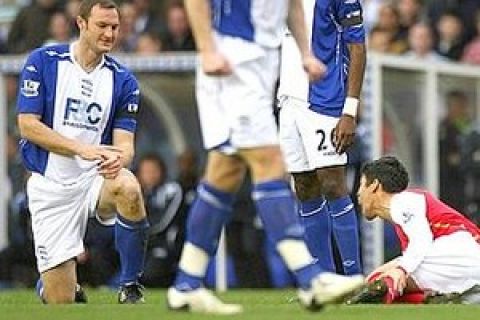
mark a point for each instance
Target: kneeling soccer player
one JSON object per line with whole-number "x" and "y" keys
{"x": 440, "y": 247}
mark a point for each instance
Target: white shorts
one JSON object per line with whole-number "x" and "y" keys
{"x": 306, "y": 137}
{"x": 451, "y": 265}
{"x": 236, "y": 111}
{"x": 59, "y": 217}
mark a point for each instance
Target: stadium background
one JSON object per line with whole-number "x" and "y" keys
{"x": 405, "y": 111}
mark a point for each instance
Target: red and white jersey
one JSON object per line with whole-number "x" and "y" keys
{"x": 419, "y": 219}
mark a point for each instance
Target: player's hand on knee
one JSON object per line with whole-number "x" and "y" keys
{"x": 215, "y": 64}
{"x": 344, "y": 133}
{"x": 111, "y": 165}
{"x": 314, "y": 68}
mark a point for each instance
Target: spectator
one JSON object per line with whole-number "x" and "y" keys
{"x": 466, "y": 10}
{"x": 452, "y": 129}
{"x": 380, "y": 40}
{"x": 410, "y": 12}
{"x": 451, "y": 40}
{"x": 59, "y": 29}
{"x": 71, "y": 10}
{"x": 188, "y": 175}
{"x": 472, "y": 50}
{"x": 420, "y": 39}
{"x": 148, "y": 44}
{"x": 178, "y": 36}
{"x": 166, "y": 214}
{"x": 146, "y": 20}
{"x": 127, "y": 37}
{"x": 389, "y": 21}
{"x": 29, "y": 30}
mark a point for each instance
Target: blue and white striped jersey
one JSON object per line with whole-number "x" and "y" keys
{"x": 259, "y": 21}
{"x": 332, "y": 25}
{"x": 83, "y": 106}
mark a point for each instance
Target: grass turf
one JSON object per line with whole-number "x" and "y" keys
{"x": 259, "y": 304}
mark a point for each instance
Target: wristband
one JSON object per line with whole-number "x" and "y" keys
{"x": 350, "y": 107}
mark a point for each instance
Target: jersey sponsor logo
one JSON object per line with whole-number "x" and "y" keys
{"x": 31, "y": 68}
{"x": 30, "y": 88}
{"x": 406, "y": 217}
{"x": 132, "y": 108}
{"x": 82, "y": 115}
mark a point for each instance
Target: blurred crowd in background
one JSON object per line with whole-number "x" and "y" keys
{"x": 435, "y": 30}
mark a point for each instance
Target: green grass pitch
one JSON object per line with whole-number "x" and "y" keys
{"x": 259, "y": 304}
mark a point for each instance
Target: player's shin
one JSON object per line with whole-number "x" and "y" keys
{"x": 345, "y": 231}
{"x": 276, "y": 207}
{"x": 209, "y": 213}
{"x": 130, "y": 242}
{"x": 318, "y": 231}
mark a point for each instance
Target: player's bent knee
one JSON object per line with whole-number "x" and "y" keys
{"x": 127, "y": 186}
{"x": 60, "y": 297}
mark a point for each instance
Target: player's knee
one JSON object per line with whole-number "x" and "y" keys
{"x": 267, "y": 165}
{"x": 226, "y": 178}
{"x": 59, "y": 296}
{"x": 307, "y": 186}
{"x": 127, "y": 187}
{"x": 333, "y": 189}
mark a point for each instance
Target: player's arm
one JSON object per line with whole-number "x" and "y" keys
{"x": 413, "y": 221}
{"x": 350, "y": 16}
{"x": 125, "y": 141}
{"x": 199, "y": 14}
{"x": 296, "y": 23}
{"x": 33, "y": 130}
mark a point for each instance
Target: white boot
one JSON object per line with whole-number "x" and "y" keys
{"x": 199, "y": 300}
{"x": 329, "y": 288}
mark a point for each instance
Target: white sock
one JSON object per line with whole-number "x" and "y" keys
{"x": 194, "y": 260}
{"x": 295, "y": 254}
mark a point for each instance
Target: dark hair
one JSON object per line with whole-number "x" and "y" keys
{"x": 85, "y": 8}
{"x": 389, "y": 172}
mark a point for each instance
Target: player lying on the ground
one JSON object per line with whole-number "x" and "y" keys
{"x": 440, "y": 247}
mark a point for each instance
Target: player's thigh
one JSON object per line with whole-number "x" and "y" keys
{"x": 306, "y": 185}
{"x": 225, "y": 172}
{"x": 265, "y": 163}
{"x": 214, "y": 121}
{"x": 59, "y": 217}
{"x": 291, "y": 141}
{"x": 247, "y": 96}
{"x": 447, "y": 269}
{"x": 59, "y": 283}
{"x": 316, "y": 131}
{"x": 105, "y": 213}
{"x": 332, "y": 181}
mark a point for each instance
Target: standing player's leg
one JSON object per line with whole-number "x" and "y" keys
{"x": 305, "y": 143}
{"x": 276, "y": 207}
{"x": 209, "y": 213}
{"x": 315, "y": 218}
{"x": 343, "y": 217}
{"x": 123, "y": 195}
